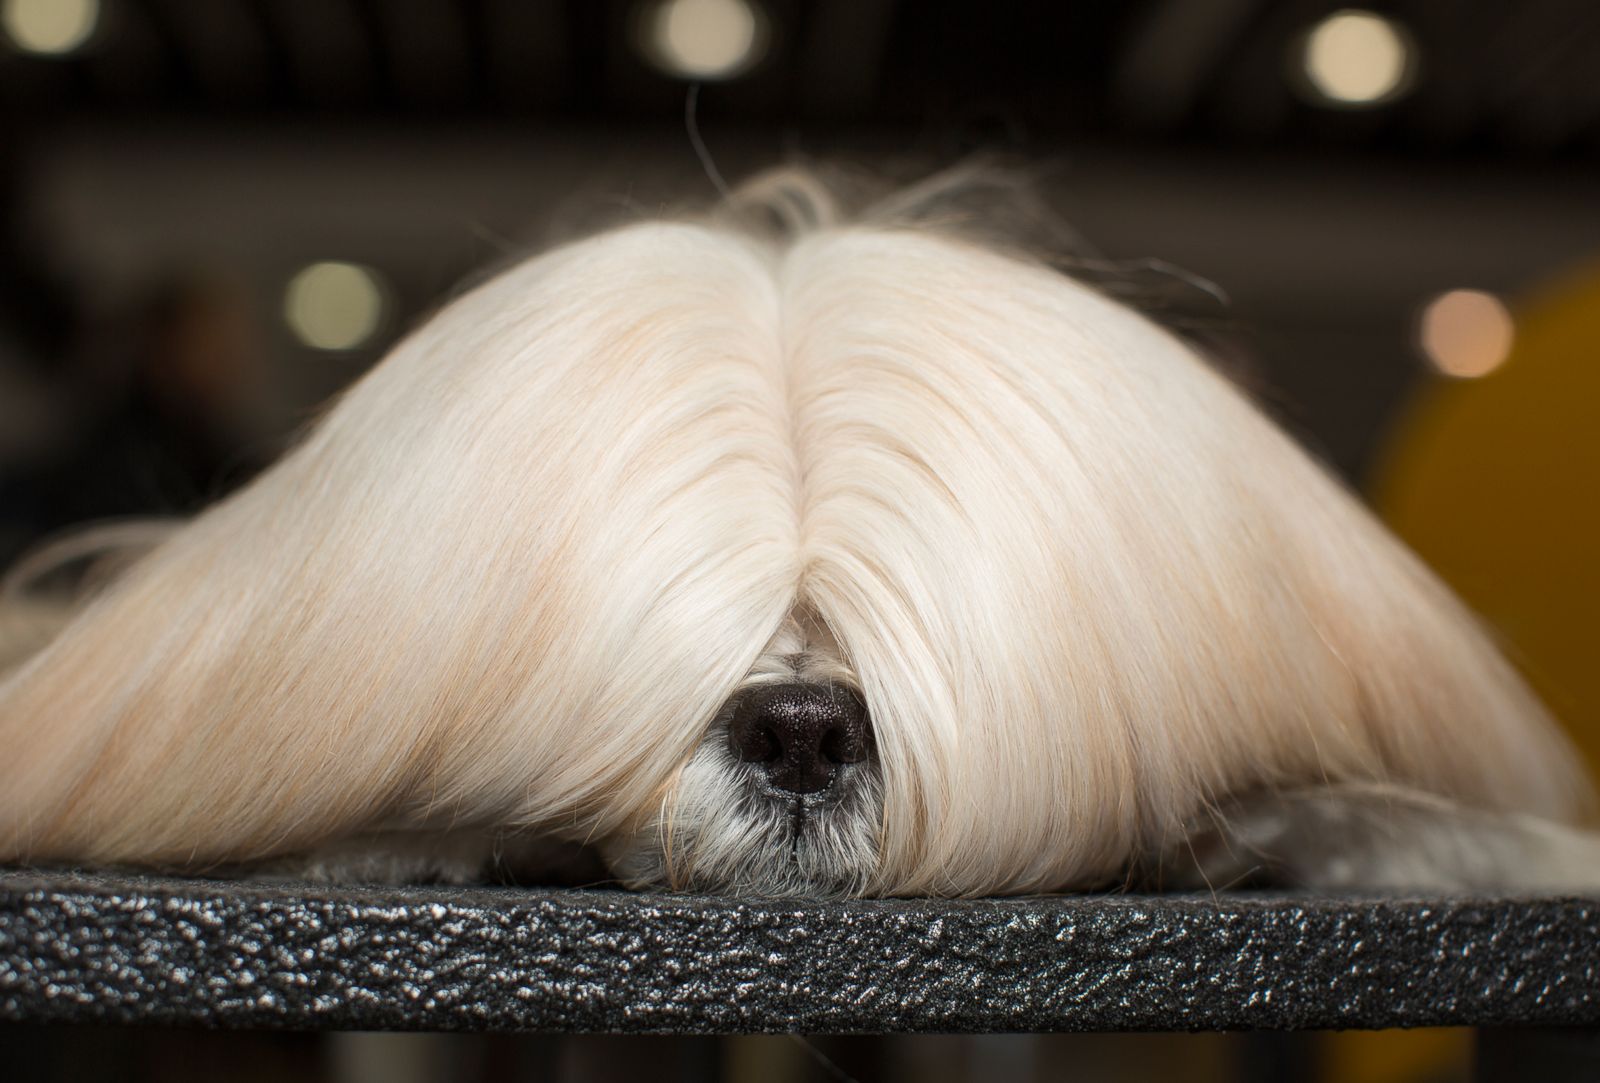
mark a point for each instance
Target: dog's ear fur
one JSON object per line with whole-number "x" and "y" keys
{"x": 506, "y": 580}
{"x": 1088, "y": 591}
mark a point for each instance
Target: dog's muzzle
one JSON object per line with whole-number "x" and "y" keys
{"x": 802, "y": 734}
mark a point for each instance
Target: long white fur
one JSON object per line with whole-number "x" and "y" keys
{"x": 1091, "y": 597}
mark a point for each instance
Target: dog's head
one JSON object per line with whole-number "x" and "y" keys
{"x": 861, "y": 558}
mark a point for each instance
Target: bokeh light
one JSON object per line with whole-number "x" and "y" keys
{"x": 49, "y": 27}
{"x": 1466, "y": 333}
{"x": 334, "y": 305}
{"x": 1356, "y": 59}
{"x": 704, "y": 39}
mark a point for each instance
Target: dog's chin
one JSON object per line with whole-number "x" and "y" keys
{"x": 726, "y": 830}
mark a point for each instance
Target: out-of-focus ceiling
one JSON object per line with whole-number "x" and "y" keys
{"x": 1495, "y": 78}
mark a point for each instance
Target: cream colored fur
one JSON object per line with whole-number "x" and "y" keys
{"x": 1091, "y": 597}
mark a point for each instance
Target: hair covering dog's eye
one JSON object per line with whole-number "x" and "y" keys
{"x": 785, "y": 552}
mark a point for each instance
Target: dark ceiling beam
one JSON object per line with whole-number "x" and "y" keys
{"x": 1164, "y": 66}
{"x": 224, "y": 44}
{"x": 842, "y": 54}
{"x": 425, "y": 42}
{"x": 329, "y": 56}
{"x": 529, "y": 47}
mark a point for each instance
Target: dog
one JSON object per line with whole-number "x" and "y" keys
{"x": 791, "y": 551}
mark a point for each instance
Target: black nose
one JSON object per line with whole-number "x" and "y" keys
{"x": 800, "y": 732}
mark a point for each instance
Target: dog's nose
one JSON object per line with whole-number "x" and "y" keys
{"x": 800, "y": 732}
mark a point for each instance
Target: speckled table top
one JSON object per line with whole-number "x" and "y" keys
{"x": 126, "y": 949}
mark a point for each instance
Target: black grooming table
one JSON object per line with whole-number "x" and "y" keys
{"x": 124, "y": 949}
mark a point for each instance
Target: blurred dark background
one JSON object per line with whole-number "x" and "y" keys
{"x": 214, "y": 214}
{"x": 171, "y": 166}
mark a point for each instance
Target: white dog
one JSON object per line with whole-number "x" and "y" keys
{"x": 777, "y": 553}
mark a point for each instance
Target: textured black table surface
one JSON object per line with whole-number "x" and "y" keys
{"x": 80, "y": 948}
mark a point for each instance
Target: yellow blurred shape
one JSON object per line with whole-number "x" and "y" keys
{"x": 1395, "y": 1056}
{"x": 1496, "y": 482}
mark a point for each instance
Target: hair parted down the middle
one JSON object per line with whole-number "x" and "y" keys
{"x": 509, "y": 584}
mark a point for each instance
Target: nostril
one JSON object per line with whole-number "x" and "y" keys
{"x": 801, "y": 733}
{"x": 845, "y": 741}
